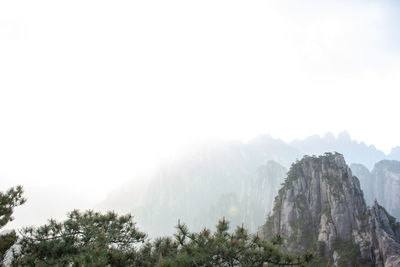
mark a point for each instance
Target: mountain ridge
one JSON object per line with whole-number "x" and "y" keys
{"x": 215, "y": 172}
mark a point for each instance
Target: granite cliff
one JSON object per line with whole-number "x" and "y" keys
{"x": 321, "y": 207}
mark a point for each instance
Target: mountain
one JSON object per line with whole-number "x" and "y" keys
{"x": 321, "y": 206}
{"x": 208, "y": 180}
{"x": 127, "y": 197}
{"x": 382, "y": 184}
{"x": 262, "y": 191}
{"x": 204, "y": 183}
{"x": 207, "y": 183}
{"x": 385, "y": 236}
{"x": 353, "y": 151}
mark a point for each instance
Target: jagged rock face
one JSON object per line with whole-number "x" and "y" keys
{"x": 320, "y": 202}
{"x": 385, "y": 237}
{"x": 321, "y": 207}
{"x": 382, "y": 184}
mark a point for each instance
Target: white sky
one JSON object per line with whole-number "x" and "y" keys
{"x": 92, "y": 91}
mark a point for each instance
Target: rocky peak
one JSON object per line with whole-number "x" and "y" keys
{"x": 321, "y": 206}
{"x": 320, "y": 201}
{"x": 386, "y": 221}
{"x": 345, "y": 136}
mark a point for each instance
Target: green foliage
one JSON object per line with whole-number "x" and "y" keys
{"x": 392, "y": 220}
{"x": 6, "y": 241}
{"x": 84, "y": 238}
{"x": 303, "y": 232}
{"x": 349, "y": 253}
{"x": 92, "y": 238}
{"x": 300, "y": 201}
{"x": 220, "y": 248}
{"x": 8, "y": 201}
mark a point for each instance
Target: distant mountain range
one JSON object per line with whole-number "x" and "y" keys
{"x": 201, "y": 186}
{"x": 353, "y": 151}
{"x": 232, "y": 179}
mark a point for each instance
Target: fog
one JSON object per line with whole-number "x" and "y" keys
{"x": 93, "y": 94}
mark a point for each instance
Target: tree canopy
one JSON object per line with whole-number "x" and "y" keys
{"x": 97, "y": 239}
{"x": 8, "y": 201}
{"x": 84, "y": 238}
{"x": 92, "y": 238}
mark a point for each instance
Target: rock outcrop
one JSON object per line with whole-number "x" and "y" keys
{"x": 384, "y": 237}
{"x": 321, "y": 207}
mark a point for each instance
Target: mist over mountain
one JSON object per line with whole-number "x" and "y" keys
{"x": 353, "y": 151}
{"x": 209, "y": 180}
{"x": 317, "y": 204}
{"x": 278, "y": 115}
{"x": 203, "y": 185}
{"x": 382, "y": 184}
{"x": 45, "y": 202}
{"x": 366, "y": 182}
{"x": 394, "y": 153}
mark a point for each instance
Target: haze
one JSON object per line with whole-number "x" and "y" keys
{"x": 93, "y": 92}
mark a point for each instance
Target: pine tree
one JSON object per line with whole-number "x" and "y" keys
{"x": 92, "y": 238}
{"x": 8, "y": 201}
{"x": 222, "y": 248}
{"x": 84, "y": 238}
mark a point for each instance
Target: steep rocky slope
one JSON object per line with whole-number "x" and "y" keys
{"x": 384, "y": 235}
{"x": 321, "y": 207}
{"x": 382, "y": 184}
